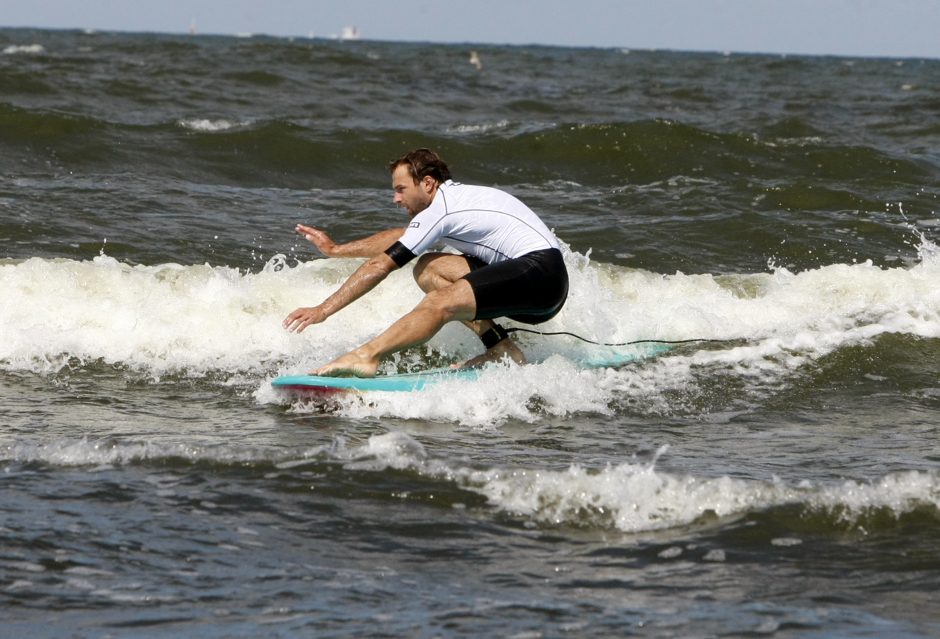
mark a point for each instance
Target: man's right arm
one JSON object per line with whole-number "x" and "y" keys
{"x": 363, "y": 280}
{"x": 365, "y": 247}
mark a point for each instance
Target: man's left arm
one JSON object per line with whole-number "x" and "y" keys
{"x": 364, "y": 247}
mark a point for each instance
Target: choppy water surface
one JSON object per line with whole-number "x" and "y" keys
{"x": 783, "y": 481}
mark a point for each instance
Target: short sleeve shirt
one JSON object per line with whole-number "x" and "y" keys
{"x": 487, "y": 223}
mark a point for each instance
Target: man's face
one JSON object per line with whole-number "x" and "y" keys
{"x": 411, "y": 196}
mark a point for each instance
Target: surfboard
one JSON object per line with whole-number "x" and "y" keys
{"x": 402, "y": 382}
{"x": 305, "y": 385}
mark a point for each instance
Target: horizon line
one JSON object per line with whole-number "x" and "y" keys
{"x": 339, "y": 38}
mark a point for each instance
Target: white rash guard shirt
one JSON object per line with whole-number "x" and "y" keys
{"x": 487, "y": 223}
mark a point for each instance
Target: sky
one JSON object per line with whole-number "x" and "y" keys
{"x": 880, "y": 28}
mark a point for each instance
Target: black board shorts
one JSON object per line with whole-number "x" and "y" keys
{"x": 530, "y": 289}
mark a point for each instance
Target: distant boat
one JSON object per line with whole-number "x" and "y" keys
{"x": 350, "y": 33}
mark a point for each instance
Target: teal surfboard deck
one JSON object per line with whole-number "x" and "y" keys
{"x": 409, "y": 382}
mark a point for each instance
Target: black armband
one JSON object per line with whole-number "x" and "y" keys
{"x": 400, "y": 254}
{"x": 494, "y": 336}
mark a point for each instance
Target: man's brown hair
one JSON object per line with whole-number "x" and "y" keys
{"x": 421, "y": 163}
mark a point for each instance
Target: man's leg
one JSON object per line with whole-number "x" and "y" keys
{"x": 448, "y": 298}
{"x": 434, "y": 271}
{"x": 454, "y": 302}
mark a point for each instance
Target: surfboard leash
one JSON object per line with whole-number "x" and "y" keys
{"x": 516, "y": 329}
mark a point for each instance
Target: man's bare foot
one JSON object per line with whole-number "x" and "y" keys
{"x": 504, "y": 349}
{"x": 349, "y": 365}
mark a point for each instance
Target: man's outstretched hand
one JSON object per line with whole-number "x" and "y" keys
{"x": 318, "y": 238}
{"x": 303, "y": 317}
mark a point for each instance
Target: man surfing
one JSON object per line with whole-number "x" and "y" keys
{"x": 510, "y": 266}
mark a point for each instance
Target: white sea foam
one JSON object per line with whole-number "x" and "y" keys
{"x": 473, "y": 129}
{"x": 636, "y": 497}
{"x": 630, "y": 496}
{"x": 198, "y": 319}
{"x": 103, "y": 454}
{"x": 14, "y": 49}
{"x": 785, "y": 321}
{"x": 210, "y": 126}
{"x": 160, "y": 318}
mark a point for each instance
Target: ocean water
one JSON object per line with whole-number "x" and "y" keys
{"x": 781, "y": 481}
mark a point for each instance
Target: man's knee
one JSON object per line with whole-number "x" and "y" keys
{"x": 422, "y": 267}
{"x": 435, "y": 270}
{"x": 424, "y": 272}
{"x": 454, "y": 302}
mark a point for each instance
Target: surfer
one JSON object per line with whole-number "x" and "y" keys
{"x": 510, "y": 265}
